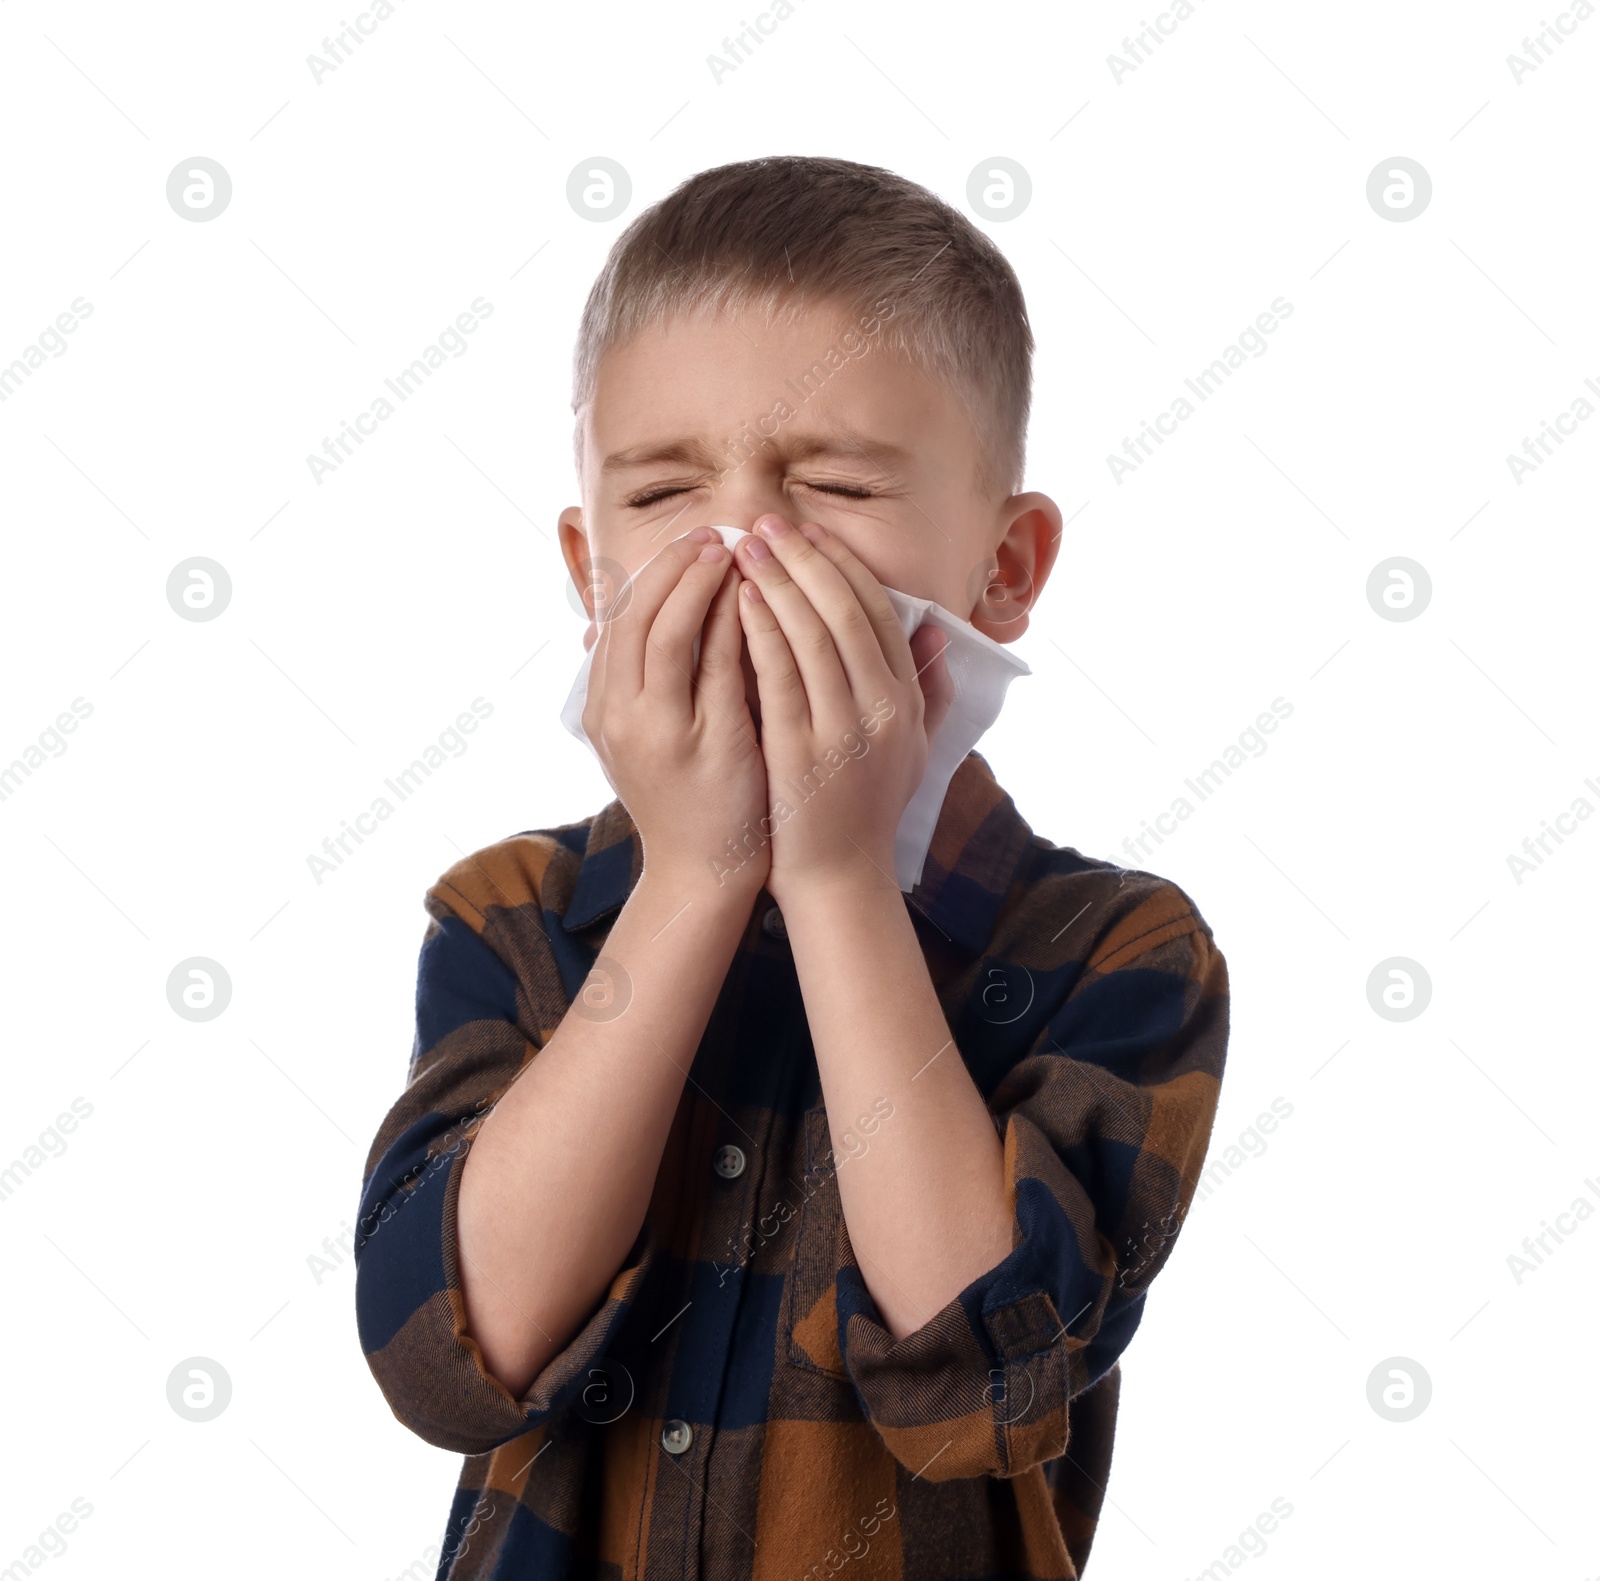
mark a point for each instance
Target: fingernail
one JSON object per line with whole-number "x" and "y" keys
{"x": 712, "y": 551}
{"x": 754, "y": 547}
{"x": 812, "y": 531}
{"x": 772, "y": 526}
{"x": 700, "y": 535}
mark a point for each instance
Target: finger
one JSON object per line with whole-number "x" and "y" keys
{"x": 784, "y": 703}
{"x": 885, "y": 623}
{"x": 810, "y": 640}
{"x": 719, "y": 684}
{"x": 625, "y": 630}
{"x": 669, "y": 651}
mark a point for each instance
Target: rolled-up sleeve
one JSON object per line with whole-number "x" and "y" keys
{"x": 475, "y": 1033}
{"x": 1105, "y": 1120}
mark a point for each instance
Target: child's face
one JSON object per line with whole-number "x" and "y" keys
{"x": 880, "y": 454}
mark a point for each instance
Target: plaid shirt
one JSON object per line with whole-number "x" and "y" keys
{"x": 735, "y": 1406}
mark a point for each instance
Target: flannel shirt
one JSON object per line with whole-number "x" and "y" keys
{"x": 735, "y": 1407}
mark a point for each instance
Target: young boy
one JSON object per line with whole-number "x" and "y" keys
{"x": 744, "y": 1215}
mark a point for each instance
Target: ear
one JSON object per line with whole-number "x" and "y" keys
{"x": 1019, "y": 566}
{"x": 575, "y": 551}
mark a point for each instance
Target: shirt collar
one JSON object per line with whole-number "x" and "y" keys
{"x": 978, "y": 844}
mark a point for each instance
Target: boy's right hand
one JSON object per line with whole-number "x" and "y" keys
{"x": 679, "y": 746}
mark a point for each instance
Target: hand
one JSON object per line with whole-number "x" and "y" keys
{"x": 848, "y": 705}
{"x": 679, "y": 746}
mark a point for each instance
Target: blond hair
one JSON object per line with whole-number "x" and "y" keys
{"x": 783, "y": 233}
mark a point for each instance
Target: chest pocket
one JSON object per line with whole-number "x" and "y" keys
{"x": 809, "y": 1318}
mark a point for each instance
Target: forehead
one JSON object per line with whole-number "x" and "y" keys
{"x": 703, "y": 382}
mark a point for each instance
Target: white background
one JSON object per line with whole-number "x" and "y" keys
{"x": 1167, "y": 211}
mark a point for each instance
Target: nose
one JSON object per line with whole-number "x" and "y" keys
{"x": 743, "y": 496}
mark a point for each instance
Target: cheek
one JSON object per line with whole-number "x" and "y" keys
{"x": 917, "y": 575}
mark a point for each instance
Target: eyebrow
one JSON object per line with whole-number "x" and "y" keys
{"x": 845, "y": 443}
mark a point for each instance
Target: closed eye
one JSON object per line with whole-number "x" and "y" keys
{"x": 652, "y": 496}
{"x": 655, "y": 496}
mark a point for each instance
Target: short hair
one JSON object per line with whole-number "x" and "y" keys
{"x": 786, "y": 232}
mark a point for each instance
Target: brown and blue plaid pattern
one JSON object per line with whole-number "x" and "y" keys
{"x": 1090, "y": 1004}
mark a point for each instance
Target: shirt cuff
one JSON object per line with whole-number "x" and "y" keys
{"x": 983, "y": 1387}
{"x": 412, "y": 1314}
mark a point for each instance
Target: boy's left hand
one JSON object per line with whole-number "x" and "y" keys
{"x": 846, "y": 700}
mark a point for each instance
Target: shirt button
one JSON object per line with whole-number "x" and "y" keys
{"x": 773, "y": 924}
{"x": 676, "y": 1436}
{"x": 728, "y": 1161}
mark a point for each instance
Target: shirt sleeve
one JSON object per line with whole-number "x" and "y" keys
{"x": 476, "y": 1028}
{"x": 1105, "y": 1121}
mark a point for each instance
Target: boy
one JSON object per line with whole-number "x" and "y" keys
{"x": 745, "y": 1216}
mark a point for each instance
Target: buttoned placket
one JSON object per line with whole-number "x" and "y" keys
{"x": 962, "y": 917}
{"x": 686, "y": 1439}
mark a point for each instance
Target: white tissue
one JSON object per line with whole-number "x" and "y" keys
{"x": 980, "y": 670}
